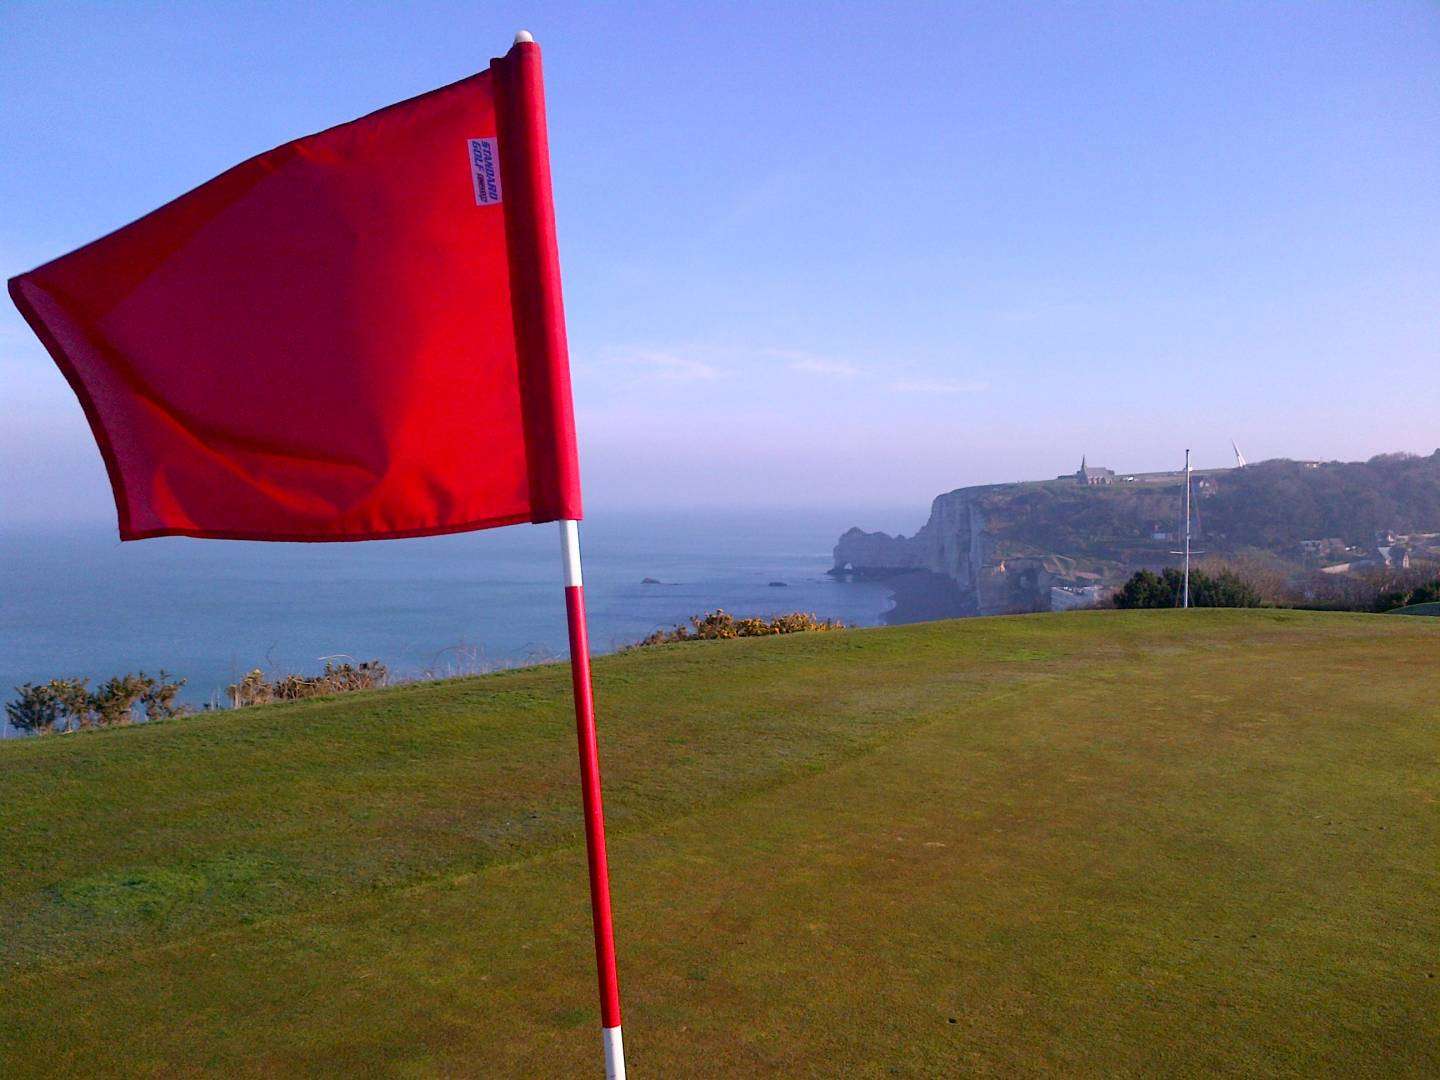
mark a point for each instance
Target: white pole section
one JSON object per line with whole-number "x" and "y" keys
{"x": 614, "y": 1053}
{"x": 570, "y": 553}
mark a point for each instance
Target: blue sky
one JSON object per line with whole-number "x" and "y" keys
{"x": 837, "y": 255}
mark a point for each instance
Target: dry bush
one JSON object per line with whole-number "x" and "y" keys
{"x": 256, "y": 689}
{"x": 1269, "y": 575}
{"x": 70, "y": 704}
{"x": 718, "y": 625}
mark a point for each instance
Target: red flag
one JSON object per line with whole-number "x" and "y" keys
{"x": 353, "y": 336}
{"x": 357, "y": 335}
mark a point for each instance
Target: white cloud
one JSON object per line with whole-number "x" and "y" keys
{"x": 819, "y": 365}
{"x": 702, "y": 362}
{"x": 940, "y": 386}
{"x": 669, "y": 366}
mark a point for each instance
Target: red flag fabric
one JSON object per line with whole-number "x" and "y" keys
{"x": 354, "y": 336}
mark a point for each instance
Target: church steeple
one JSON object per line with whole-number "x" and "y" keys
{"x": 1097, "y": 475}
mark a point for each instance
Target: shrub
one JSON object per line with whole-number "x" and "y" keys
{"x": 48, "y": 706}
{"x": 70, "y": 704}
{"x": 1425, "y": 593}
{"x": 256, "y": 689}
{"x": 1146, "y": 589}
{"x": 718, "y": 624}
{"x": 1373, "y": 590}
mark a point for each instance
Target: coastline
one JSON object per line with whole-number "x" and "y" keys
{"x": 915, "y": 595}
{"x": 79, "y": 605}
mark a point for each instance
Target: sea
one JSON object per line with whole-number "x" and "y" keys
{"x": 75, "y": 602}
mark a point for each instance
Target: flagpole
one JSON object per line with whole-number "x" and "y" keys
{"x": 545, "y": 389}
{"x": 594, "y": 808}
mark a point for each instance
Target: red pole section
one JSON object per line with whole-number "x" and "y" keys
{"x": 593, "y": 803}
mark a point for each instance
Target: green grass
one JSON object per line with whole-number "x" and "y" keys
{"x": 1432, "y": 608}
{"x": 1101, "y": 843}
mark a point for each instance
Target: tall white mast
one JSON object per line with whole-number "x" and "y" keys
{"x": 1187, "y": 530}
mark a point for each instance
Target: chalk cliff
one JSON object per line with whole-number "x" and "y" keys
{"x": 956, "y": 547}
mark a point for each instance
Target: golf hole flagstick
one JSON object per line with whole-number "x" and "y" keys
{"x": 594, "y": 810}
{"x": 358, "y": 335}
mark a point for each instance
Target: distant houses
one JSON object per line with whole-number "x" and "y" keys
{"x": 1069, "y": 597}
{"x": 1389, "y": 550}
{"x": 1394, "y": 557}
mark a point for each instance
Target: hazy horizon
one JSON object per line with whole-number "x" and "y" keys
{"x": 842, "y": 259}
{"x": 895, "y": 515}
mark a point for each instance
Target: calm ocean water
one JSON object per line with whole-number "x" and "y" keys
{"x": 76, "y": 602}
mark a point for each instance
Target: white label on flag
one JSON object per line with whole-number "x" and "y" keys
{"x": 485, "y": 170}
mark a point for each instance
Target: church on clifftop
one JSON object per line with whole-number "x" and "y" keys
{"x": 1093, "y": 476}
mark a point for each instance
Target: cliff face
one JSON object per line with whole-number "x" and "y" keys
{"x": 950, "y": 543}
{"x": 958, "y": 545}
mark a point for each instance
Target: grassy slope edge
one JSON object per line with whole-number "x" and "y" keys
{"x": 1102, "y": 842}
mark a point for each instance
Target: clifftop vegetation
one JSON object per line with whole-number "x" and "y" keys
{"x": 1271, "y": 505}
{"x": 1276, "y": 504}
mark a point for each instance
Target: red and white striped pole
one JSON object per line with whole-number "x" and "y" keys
{"x": 540, "y": 328}
{"x": 594, "y": 808}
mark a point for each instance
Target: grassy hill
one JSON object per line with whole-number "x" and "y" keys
{"x": 1101, "y": 842}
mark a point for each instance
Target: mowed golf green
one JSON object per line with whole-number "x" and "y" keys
{"x": 1098, "y": 843}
